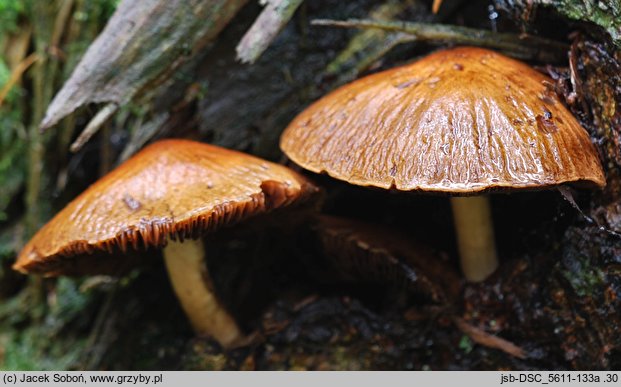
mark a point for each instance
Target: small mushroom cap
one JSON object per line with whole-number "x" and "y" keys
{"x": 172, "y": 188}
{"x": 459, "y": 121}
{"x": 379, "y": 254}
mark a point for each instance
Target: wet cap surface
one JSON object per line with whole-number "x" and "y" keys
{"x": 172, "y": 188}
{"x": 463, "y": 121}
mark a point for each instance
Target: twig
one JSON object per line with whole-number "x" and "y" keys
{"x": 60, "y": 22}
{"x": 42, "y": 11}
{"x": 43, "y": 76}
{"x": 479, "y": 336}
{"x": 519, "y": 46}
{"x": 35, "y": 140}
{"x": 93, "y": 126}
{"x": 16, "y": 75}
{"x": 75, "y": 33}
{"x": 265, "y": 28}
{"x": 569, "y": 197}
{"x": 105, "y": 153}
{"x": 55, "y": 32}
{"x": 142, "y": 133}
{"x": 367, "y": 46}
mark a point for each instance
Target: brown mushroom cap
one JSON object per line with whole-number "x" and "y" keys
{"x": 462, "y": 121}
{"x": 172, "y": 188}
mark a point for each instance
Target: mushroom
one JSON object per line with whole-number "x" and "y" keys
{"x": 463, "y": 122}
{"x": 364, "y": 252}
{"x": 166, "y": 196}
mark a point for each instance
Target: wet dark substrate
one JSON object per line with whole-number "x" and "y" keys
{"x": 556, "y": 295}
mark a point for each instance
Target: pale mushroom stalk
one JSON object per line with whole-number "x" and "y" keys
{"x": 185, "y": 262}
{"x": 436, "y": 142}
{"x": 475, "y": 236}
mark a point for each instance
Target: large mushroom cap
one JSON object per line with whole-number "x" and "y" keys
{"x": 462, "y": 121}
{"x": 172, "y": 188}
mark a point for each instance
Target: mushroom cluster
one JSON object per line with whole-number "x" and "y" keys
{"x": 462, "y": 122}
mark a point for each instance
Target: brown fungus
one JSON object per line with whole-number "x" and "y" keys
{"x": 166, "y": 196}
{"x": 463, "y": 121}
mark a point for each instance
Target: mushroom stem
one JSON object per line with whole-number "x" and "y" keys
{"x": 190, "y": 279}
{"x": 475, "y": 236}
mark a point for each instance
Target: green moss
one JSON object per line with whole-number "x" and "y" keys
{"x": 12, "y": 173}
{"x": 69, "y": 305}
{"x": 12, "y": 145}
{"x": 585, "y": 278}
{"x": 46, "y": 345}
{"x": 10, "y": 11}
{"x": 31, "y": 349}
{"x": 606, "y": 14}
{"x": 466, "y": 344}
{"x": 5, "y": 73}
